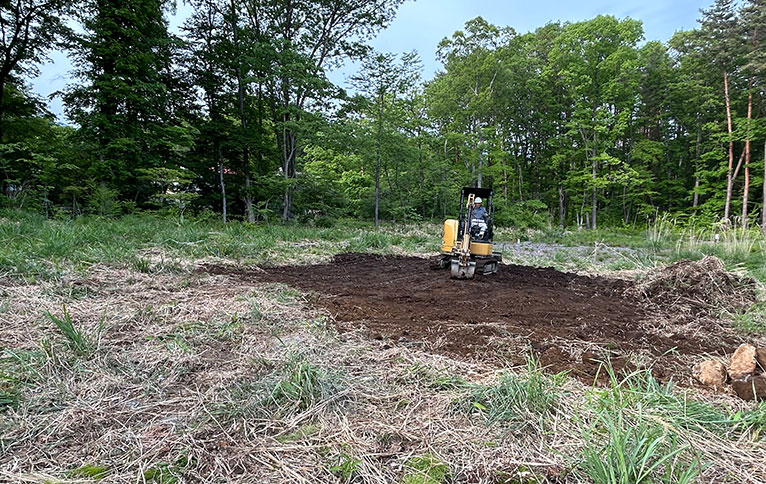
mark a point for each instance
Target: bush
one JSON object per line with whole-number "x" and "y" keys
{"x": 532, "y": 214}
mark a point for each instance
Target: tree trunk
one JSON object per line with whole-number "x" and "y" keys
{"x": 696, "y": 165}
{"x": 763, "y": 211}
{"x": 747, "y": 153}
{"x": 730, "y": 179}
{"x": 594, "y": 200}
{"x": 481, "y": 157}
{"x": 377, "y": 164}
{"x": 422, "y": 177}
{"x": 249, "y": 199}
{"x": 243, "y": 120}
{"x": 223, "y": 185}
{"x": 696, "y": 201}
{"x": 562, "y": 214}
{"x": 288, "y": 164}
{"x": 505, "y": 182}
{"x": 2, "y": 106}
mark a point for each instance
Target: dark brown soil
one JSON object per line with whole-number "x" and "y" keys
{"x": 498, "y": 318}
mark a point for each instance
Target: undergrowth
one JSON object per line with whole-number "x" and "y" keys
{"x": 525, "y": 399}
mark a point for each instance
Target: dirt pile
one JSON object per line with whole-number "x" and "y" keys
{"x": 704, "y": 285}
{"x": 571, "y": 322}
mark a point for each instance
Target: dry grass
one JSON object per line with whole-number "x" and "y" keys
{"x": 189, "y": 383}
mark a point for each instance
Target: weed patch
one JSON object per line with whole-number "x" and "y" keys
{"x": 521, "y": 399}
{"x": 80, "y": 342}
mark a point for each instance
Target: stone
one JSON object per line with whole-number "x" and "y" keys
{"x": 711, "y": 373}
{"x": 742, "y": 362}
{"x": 750, "y": 388}
{"x": 760, "y": 357}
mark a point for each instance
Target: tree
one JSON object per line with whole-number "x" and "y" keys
{"x": 123, "y": 103}
{"x": 464, "y": 96}
{"x": 28, "y": 28}
{"x": 307, "y": 36}
{"x": 753, "y": 24}
{"x": 597, "y": 60}
{"x": 383, "y": 80}
{"x": 718, "y": 33}
{"x": 205, "y": 61}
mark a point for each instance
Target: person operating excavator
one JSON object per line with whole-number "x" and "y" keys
{"x": 479, "y": 217}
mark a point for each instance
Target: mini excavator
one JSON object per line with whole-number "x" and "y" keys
{"x": 467, "y": 241}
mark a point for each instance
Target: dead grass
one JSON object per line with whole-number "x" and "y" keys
{"x": 704, "y": 285}
{"x": 185, "y": 387}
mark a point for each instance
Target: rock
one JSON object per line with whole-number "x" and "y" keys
{"x": 711, "y": 373}
{"x": 760, "y": 357}
{"x": 751, "y": 387}
{"x": 743, "y": 362}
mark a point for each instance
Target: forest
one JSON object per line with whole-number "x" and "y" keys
{"x": 586, "y": 124}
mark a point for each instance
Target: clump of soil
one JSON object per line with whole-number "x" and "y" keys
{"x": 704, "y": 285}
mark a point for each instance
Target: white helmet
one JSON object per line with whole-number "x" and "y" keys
{"x": 477, "y": 200}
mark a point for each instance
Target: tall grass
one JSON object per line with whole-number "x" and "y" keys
{"x": 36, "y": 247}
{"x": 634, "y": 453}
{"x": 526, "y": 399}
{"x": 79, "y": 341}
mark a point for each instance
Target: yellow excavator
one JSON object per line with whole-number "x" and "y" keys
{"x": 467, "y": 241}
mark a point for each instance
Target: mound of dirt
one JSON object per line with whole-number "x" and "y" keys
{"x": 497, "y": 318}
{"x": 704, "y": 285}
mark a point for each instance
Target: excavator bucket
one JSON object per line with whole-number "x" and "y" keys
{"x": 463, "y": 271}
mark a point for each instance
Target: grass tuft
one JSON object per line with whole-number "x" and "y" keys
{"x": 426, "y": 469}
{"x": 78, "y": 341}
{"x": 633, "y": 453}
{"x": 523, "y": 399}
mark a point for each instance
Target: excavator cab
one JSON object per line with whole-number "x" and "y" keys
{"x": 467, "y": 241}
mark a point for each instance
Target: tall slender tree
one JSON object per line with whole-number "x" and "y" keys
{"x": 383, "y": 80}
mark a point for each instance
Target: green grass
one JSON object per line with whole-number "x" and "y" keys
{"x": 426, "y": 469}
{"x": 642, "y": 430}
{"x": 281, "y": 390}
{"x": 89, "y": 471}
{"x": 435, "y": 379}
{"x": 634, "y": 453}
{"x": 753, "y": 320}
{"x": 168, "y": 472}
{"x": 345, "y": 466}
{"x": 525, "y": 399}
{"x": 80, "y": 342}
{"x": 37, "y": 247}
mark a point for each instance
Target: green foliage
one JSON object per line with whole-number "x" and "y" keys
{"x": 426, "y": 469}
{"x": 302, "y": 385}
{"x": 531, "y": 214}
{"x": 438, "y": 380}
{"x": 78, "y": 341}
{"x": 574, "y": 124}
{"x": 520, "y": 399}
{"x": 168, "y": 472}
{"x": 345, "y": 467}
{"x": 752, "y": 321}
{"x": 9, "y": 392}
{"x": 89, "y": 471}
{"x": 634, "y": 454}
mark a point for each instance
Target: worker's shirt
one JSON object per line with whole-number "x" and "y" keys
{"x": 479, "y": 213}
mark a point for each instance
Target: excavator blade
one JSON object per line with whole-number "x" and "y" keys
{"x": 462, "y": 271}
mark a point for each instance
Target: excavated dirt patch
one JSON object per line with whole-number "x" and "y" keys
{"x": 569, "y": 321}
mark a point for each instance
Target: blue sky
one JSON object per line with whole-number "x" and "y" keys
{"x": 421, "y": 24}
